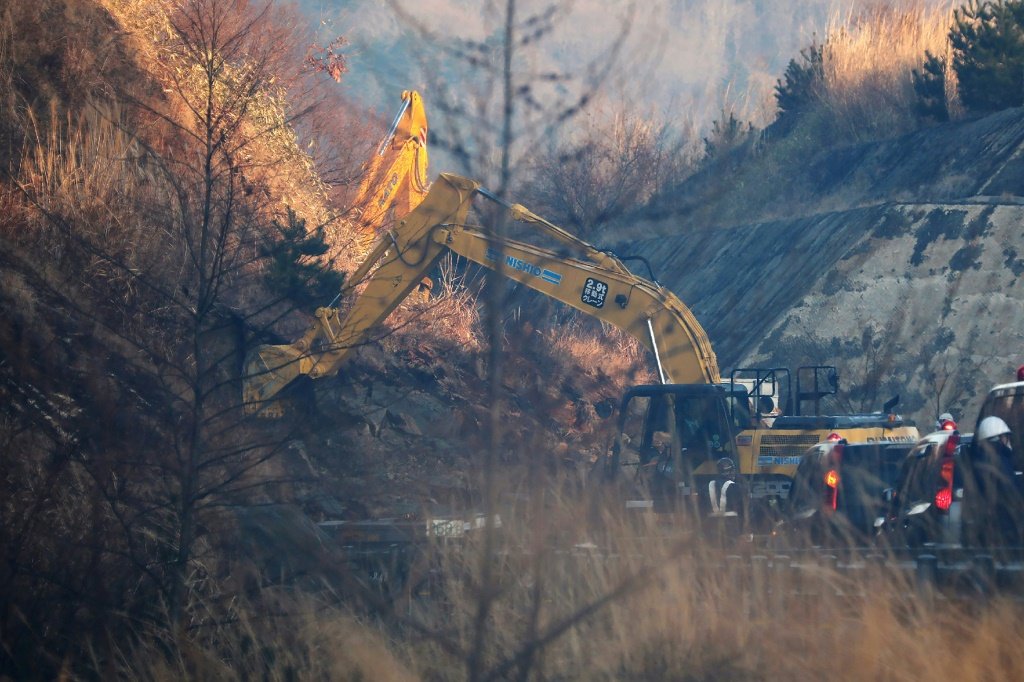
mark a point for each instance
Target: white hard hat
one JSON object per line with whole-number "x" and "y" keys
{"x": 990, "y": 427}
{"x": 946, "y": 417}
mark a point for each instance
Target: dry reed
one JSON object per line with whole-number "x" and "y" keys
{"x": 581, "y": 593}
{"x": 868, "y": 59}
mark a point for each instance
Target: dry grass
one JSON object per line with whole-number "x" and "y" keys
{"x": 687, "y": 614}
{"x": 272, "y": 157}
{"x": 868, "y": 60}
{"x": 448, "y": 320}
{"x": 84, "y": 180}
{"x": 651, "y": 603}
{"x": 76, "y": 165}
{"x": 869, "y": 56}
{"x": 455, "y": 310}
{"x": 596, "y": 345}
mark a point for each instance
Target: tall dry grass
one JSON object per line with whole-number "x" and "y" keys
{"x": 868, "y": 59}
{"x": 585, "y": 594}
{"x": 591, "y": 344}
{"x": 444, "y": 320}
{"x": 84, "y": 180}
{"x": 77, "y": 162}
{"x": 866, "y": 94}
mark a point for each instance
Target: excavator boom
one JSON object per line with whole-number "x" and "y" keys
{"x": 396, "y": 176}
{"x": 595, "y": 283}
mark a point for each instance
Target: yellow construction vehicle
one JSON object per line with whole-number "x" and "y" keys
{"x": 770, "y": 451}
{"x": 671, "y": 435}
{"x": 595, "y": 282}
{"x": 396, "y": 176}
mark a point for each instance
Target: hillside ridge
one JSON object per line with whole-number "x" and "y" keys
{"x": 929, "y": 229}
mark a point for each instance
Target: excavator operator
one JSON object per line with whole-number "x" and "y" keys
{"x": 697, "y": 433}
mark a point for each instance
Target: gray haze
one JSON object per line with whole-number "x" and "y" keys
{"x": 684, "y": 58}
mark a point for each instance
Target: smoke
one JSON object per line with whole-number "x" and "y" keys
{"x": 683, "y": 57}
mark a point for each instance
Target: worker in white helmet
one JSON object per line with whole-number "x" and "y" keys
{"x": 1000, "y": 482}
{"x": 994, "y": 435}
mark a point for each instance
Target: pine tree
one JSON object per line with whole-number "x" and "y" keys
{"x": 727, "y": 133}
{"x": 987, "y": 40}
{"x": 804, "y": 81}
{"x": 930, "y": 88}
{"x": 294, "y": 272}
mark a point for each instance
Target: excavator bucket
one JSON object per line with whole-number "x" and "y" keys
{"x": 268, "y": 369}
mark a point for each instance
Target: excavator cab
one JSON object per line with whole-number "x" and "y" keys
{"x": 768, "y": 392}
{"x": 668, "y": 436}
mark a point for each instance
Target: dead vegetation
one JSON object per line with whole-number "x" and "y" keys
{"x": 134, "y": 211}
{"x": 847, "y": 89}
{"x": 141, "y": 167}
{"x": 868, "y": 60}
{"x": 622, "y": 599}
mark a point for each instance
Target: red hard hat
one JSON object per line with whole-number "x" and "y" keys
{"x": 1020, "y": 373}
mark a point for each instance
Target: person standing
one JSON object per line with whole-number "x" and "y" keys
{"x": 726, "y": 503}
{"x": 1000, "y": 481}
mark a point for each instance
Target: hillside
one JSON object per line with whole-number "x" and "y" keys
{"x": 899, "y": 261}
{"x": 166, "y": 208}
{"x": 164, "y": 211}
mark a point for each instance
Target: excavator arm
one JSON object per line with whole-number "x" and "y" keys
{"x": 648, "y": 312}
{"x": 397, "y": 173}
{"x": 596, "y": 283}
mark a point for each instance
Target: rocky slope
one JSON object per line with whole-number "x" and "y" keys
{"x": 912, "y": 287}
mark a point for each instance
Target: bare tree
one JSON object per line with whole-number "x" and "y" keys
{"x": 611, "y": 165}
{"x": 503, "y": 102}
{"x": 952, "y": 374}
{"x": 222, "y": 59}
{"x": 159, "y": 231}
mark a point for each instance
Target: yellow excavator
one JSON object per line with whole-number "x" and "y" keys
{"x": 595, "y": 282}
{"x": 396, "y": 177}
{"x": 672, "y": 433}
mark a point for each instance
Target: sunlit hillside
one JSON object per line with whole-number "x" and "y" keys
{"x": 175, "y": 187}
{"x": 686, "y": 58}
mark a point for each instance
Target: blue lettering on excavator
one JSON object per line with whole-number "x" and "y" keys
{"x": 524, "y": 266}
{"x": 767, "y": 461}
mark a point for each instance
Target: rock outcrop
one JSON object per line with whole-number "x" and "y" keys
{"x": 915, "y": 289}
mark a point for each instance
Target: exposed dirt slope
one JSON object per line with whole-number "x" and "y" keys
{"x": 913, "y": 288}
{"x": 404, "y": 426}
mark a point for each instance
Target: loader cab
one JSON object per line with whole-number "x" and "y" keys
{"x": 670, "y": 437}
{"x": 770, "y": 392}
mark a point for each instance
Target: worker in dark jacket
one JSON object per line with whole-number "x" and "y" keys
{"x": 994, "y": 436}
{"x": 1000, "y": 482}
{"x": 726, "y": 503}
